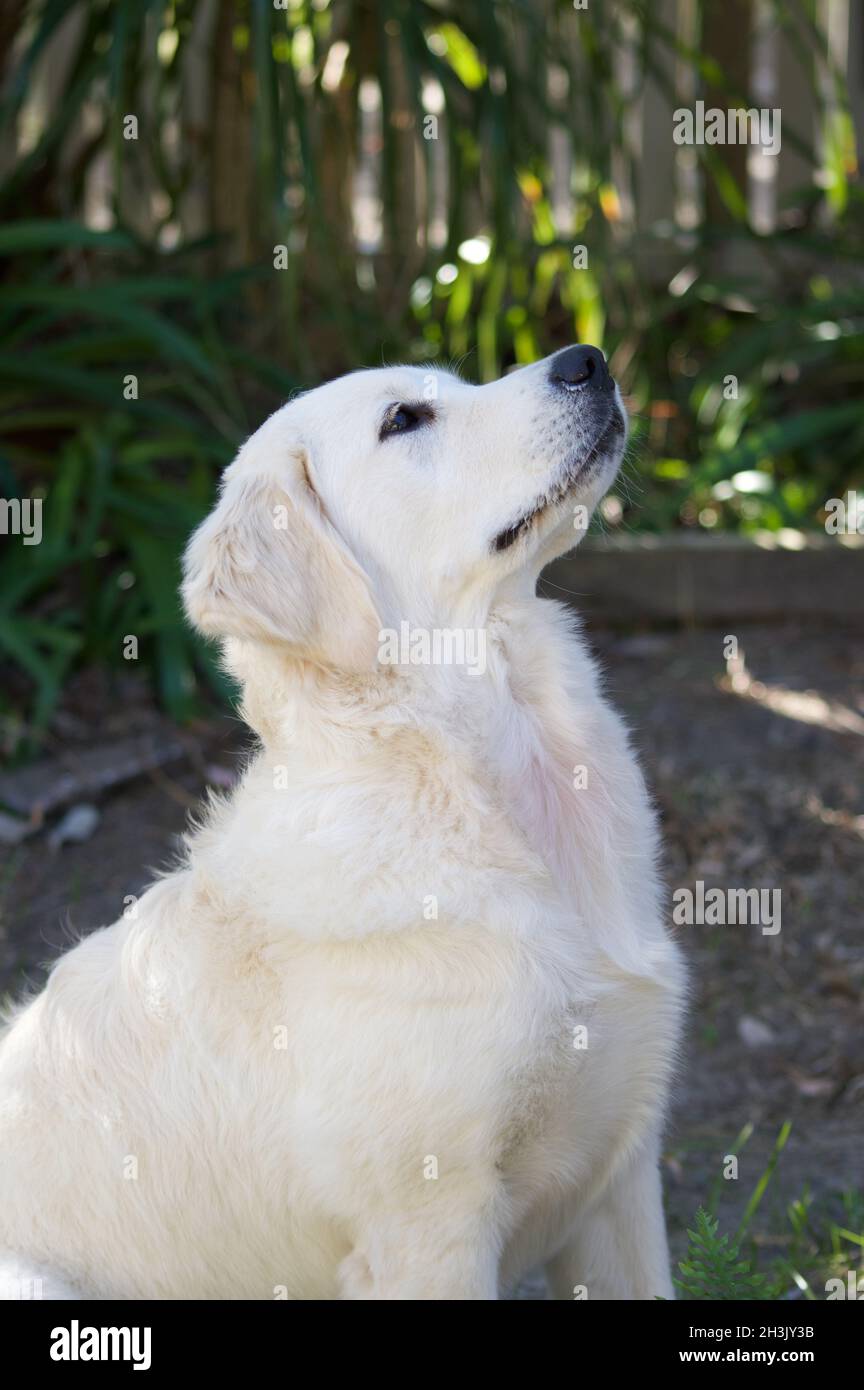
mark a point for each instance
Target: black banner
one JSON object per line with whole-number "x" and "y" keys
{"x": 83, "y": 1339}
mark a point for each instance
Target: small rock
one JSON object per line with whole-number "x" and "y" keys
{"x": 13, "y": 830}
{"x": 76, "y": 826}
{"x": 754, "y": 1033}
{"x": 814, "y": 1086}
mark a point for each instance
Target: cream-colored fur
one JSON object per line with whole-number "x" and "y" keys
{"x": 401, "y": 1026}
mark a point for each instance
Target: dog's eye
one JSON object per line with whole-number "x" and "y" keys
{"x": 401, "y": 419}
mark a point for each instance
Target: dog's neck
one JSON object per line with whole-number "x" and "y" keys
{"x": 520, "y": 725}
{"x": 529, "y": 741}
{"x": 429, "y": 679}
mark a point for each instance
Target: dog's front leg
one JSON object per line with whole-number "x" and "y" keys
{"x": 618, "y": 1249}
{"x": 451, "y": 1259}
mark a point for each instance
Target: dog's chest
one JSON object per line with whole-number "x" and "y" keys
{"x": 570, "y": 784}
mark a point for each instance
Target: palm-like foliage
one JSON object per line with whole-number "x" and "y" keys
{"x": 304, "y": 126}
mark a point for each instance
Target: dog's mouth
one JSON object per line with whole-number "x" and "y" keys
{"x": 579, "y": 472}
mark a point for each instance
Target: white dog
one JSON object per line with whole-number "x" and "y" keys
{"x": 402, "y": 1025}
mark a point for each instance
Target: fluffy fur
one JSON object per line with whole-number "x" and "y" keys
{"x": 334, "y": 1054}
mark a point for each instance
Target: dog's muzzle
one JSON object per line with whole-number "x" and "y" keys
{"x": 582, "y": 375}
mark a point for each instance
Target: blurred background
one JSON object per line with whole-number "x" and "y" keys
{"x": 210, "y": 204}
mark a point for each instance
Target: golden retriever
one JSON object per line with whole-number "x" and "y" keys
{"x": 403, "y": 1023}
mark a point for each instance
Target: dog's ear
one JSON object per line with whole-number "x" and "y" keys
{"x": 267, "y": 565}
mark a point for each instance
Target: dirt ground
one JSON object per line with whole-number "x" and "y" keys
{"x": 758, "y": 777}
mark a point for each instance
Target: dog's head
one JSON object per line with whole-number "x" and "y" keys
{"x": 402, "y": 494}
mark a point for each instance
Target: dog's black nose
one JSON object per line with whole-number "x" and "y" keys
{"x": 582, "y": 365}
